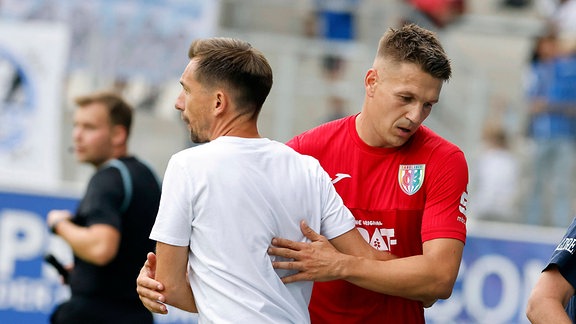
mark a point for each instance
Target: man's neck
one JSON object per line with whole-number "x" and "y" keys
{"x": 238, "y": 127}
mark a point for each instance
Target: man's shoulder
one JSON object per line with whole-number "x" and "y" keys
{"x": 122, "y": 168}
{"x": 106, "y": 171}
{"x": 109, "y": 176}
{"x": 125, "y": 166}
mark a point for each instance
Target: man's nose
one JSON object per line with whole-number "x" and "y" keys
{"x": 416, "y": 113}
{"x": 179, "y": 104}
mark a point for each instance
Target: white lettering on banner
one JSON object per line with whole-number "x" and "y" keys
{"x": 30, "y": 295}
{"x": 22, "y": 237}
{"x": 516, "y": 285}
{"x": 446, "y": 311}
{"x": 506, "y": 272}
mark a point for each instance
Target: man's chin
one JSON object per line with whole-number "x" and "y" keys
{"x": 198, "y": 140}
{"x": 87, "y": 160}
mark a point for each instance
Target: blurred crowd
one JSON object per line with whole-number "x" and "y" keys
{"x": 547, "y": 139}
{"x": 524, "y": 177}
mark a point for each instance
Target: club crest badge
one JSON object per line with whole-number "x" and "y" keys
{"x": 411, "y": 177}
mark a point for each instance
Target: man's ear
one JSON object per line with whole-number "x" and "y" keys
{"x": 370, "y": 81}
{"x": 119, "y": 135}
{"x": 221, "y": 102}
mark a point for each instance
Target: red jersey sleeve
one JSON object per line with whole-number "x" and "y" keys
{"x": 447, "y": 197}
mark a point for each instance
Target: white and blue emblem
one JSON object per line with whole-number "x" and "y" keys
{"x": 17, "y": 102}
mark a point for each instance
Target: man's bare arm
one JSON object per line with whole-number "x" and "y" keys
{"x": 171, "y": 271}
{"x": 97, "y": 244}
{"x": 426, "y": 277}
{"x": 329, "y": 254}
{"x": 549, "y": 298}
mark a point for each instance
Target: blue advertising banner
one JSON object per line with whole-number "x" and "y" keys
{"x": 500, "y": 265}
{"x": 29, "y": 288}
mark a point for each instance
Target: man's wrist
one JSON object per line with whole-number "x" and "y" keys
{"x": 344, "y": 267}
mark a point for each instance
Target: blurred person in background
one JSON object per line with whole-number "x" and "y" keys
{"x": 559, "y": 15}
{"x": 334, "y": 23}
{"x": 405, "y": 185}
{"x": 496, "y": 179}
{"x": 552, "y": 129}
{"x": 440, "y": 12}
{"x": 552, "y": 299}
{"x": 336, "y": 107}
{"x": 109, "y": 232}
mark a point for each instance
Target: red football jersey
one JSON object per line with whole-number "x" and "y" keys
{"x": 400, "y": 197}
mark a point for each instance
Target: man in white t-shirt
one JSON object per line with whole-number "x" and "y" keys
{"x": 224, "y": 201}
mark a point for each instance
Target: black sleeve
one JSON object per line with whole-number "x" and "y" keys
{"x": 103, "y": 199}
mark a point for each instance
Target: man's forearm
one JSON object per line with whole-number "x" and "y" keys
{"x": 413, "y": 278}
{"x": 426, "y": 277}
{"x": 171, "y": 272}
{"x": 181, "y": 297}
{"x": 97, "y": 244}
{"x": 545, "y": 312}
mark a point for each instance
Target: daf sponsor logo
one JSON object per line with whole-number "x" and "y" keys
{"x": 382, "y": 239}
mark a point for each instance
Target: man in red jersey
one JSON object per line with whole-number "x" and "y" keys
{"x": 405, "y": 185}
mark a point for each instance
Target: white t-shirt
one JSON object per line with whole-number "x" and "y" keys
{"x": 226, "y": 200}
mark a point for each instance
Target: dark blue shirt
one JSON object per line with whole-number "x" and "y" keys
{"x": 563, "y": 258}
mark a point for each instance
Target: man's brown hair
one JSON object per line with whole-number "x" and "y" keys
{"x": 119, "y": 111}
{"x": 236, "y": 64}
{"x": 414, "y": 44}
